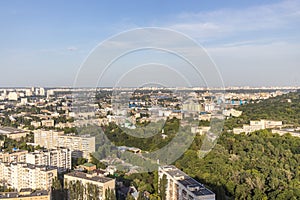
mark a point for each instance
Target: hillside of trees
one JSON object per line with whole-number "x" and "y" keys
{"x": 285, "y": 108}
{"x": 260, "y": 165}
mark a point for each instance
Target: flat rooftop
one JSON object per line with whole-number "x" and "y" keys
{"x": 89, "y": 177}
{"x": 8, "y": 195}
{"x": 188, "y": 182}
{"x": 9, "y": 130}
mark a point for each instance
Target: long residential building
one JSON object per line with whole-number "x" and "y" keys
{"x": 257, "y": 125}
{"x": 16, "y": 156}
{"x": 22, "y": 175}
{"x": 81, "y": 146}
{"x": 180, "y": 186}
{"x": 59, "y": 158}
{"x": 101, "y": 183}
{"x": 26, "y": 194}
{"x": 13, "y": 133}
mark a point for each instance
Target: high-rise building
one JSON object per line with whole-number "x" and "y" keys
{"x": 28, "y": 92}
{"x": 59, "y": 158}
{"x": 17, "y": 156}
{"x": 23, "y": 175}
{"x": 81, "y": 146}
{"x": 42, "y": 92}
{"x": 178, "y": 185}
{"x": 47, "y": 139}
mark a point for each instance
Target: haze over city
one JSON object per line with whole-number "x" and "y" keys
{"x": 253, "y": 43}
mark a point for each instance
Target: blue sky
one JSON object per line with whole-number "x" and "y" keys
{"x": 255, "y": 43}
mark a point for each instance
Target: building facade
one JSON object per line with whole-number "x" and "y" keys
{"x": 30, "y": 195}
{"x": 59, "y": 158}
{"x": 179, "y": 186}
{"x": 17, "y": 156}
{"x": 103, "y": 184}
{"x": 21, "y": 175}
{"x": 81, "y": 146}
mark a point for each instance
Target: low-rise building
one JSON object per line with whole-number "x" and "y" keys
{"x": 101, "y": 183}
{"x": 292, "y": 132}
{"x": 35, "y": 124}
{"x": 232, "y": 112}
{"x": 12, "y": 133}
{"x": 257, "y": 125}
{"x": 48, "y": 123}
{"x": 88, "y": 166}
{"x": 26, "y": 195}
{"x": 200, "y": 130}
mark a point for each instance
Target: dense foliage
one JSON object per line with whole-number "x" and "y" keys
{"x": 285, "y": 108}
{"x": 121, "y": 138}
{"x": 260, "y": 165}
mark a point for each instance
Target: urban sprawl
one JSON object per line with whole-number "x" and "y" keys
{"x": 50, "y": 137}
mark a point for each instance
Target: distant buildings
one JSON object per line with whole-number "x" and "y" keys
{"x": 257, "y": 125}
{"x": 12, "y": 96}
{"x": 192, "y": 106}
{"x": 232, "y": 112}
{"x": 292, "y": 132}
{"x": 21, "y": 175}
{"x": 48, "y": 123}
{"x": 180, "y": 186}
{"x": 200, "y": 130}
{"x": 80, "y": 146}
{"x": 100, "y": 185}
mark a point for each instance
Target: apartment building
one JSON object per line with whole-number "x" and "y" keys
{"x": 59, "y": 158}
{"x": 23, "y": 175}
{"x": 181, "y": 186}
{"x": 80, "y": 146}
{"x": 47, "y": 139}
{"x": 17, "y": 156}
{"x": 102, "y": 183}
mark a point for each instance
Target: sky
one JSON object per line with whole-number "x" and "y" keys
{"x": 252, "y": 43}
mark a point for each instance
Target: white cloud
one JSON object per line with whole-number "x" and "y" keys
{"x": 230, "y": 22}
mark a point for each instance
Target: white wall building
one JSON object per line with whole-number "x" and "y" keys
{"x": 181, "y": 186}
{"x": 59, "y": 158}
{"x": 22, "y": 175}
{"x": 13, "y": 96}
{"x": 82, "y": 145}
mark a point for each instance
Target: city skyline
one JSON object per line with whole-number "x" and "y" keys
{"x": 252, "y": 43}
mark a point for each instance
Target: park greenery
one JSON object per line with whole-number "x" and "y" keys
{"x": 259, "y": 165}
{"x": 285, "y": 108}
